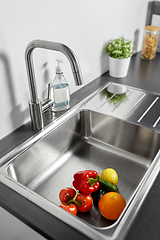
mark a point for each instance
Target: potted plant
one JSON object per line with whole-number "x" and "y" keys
{"x": 120, "y": 51}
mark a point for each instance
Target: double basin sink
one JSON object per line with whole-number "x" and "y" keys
{"x": 88, "y": 137}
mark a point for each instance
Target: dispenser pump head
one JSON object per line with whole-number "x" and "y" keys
{"x": 58, "y": 68}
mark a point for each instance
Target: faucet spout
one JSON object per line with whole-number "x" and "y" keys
{"x": 35, "y": 103}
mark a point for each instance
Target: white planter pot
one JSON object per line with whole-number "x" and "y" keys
{"x": 118, "y": 67}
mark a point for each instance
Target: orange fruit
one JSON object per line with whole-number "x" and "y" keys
{"x": 111, "y": 205}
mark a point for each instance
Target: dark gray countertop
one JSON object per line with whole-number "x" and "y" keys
{"x": 142, "y": 74}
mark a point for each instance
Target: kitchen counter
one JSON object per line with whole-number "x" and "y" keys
{"x": 143, "y": 75}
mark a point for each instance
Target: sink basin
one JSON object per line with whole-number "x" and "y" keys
{"x": 86, "y": 139}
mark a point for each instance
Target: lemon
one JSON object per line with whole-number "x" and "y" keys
{"x": 110, "y": 175}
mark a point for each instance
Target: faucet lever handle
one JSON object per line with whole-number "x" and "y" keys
{"x": 48, "y": 91}
{"x": 47, "y": 102}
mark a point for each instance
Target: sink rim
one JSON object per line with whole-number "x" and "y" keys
{"x": 149, "y": 167}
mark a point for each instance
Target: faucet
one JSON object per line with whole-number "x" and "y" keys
{"x": 35, "y": 105}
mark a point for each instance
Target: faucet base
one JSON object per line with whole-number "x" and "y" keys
{"x": 36, "y": 114}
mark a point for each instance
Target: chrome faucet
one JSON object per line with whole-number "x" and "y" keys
{"x": 35, "y": 104}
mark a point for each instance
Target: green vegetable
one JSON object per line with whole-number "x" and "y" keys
{"x": 107, "y": 186}
{"x": 104, "y": 187}
{"x": 120, "y": 48}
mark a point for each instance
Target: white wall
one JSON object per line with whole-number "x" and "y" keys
{"x": 83, "y": 25}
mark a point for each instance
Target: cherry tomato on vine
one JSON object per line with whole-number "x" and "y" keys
{"x": 66, "y": 194}
{"x": 70, "y": 208}
{"x": 85, "y": 202}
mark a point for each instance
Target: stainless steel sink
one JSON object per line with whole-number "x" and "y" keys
{"x": 86, "y": 139}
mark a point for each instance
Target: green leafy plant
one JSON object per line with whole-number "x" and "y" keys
{"x": 120, "y": 48}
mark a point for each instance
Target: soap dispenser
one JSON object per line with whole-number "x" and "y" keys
{"x": 60, "y": 92}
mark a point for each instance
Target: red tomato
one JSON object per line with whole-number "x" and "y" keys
{"x": 70, "y": 208}
{"x": 85, "y": 202}
{"x": 66, "y": 194}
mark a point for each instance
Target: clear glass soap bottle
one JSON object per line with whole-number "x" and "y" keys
{"x": 60, "y": 92}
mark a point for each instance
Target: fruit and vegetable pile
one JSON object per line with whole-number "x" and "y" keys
{"x": 90, "y": 188}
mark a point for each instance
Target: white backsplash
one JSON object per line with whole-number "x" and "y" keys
{"x": 84, "y": 26}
